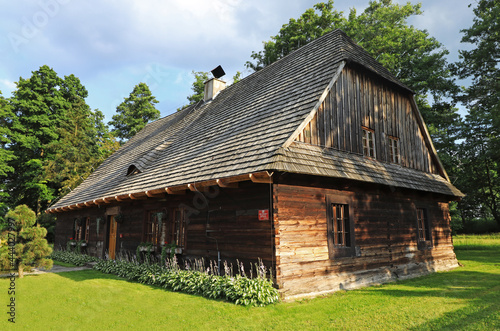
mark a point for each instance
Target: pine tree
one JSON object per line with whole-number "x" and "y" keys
{"x": 55, "y": 138}
{"x": 29, "y": 243}
{"x": 135, "y": 112}
{"x": 6, "y": 155}
{"x": 480, "y": 147}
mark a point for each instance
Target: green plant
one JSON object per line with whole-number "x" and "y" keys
{"x": 258, "y": 291}
{"x": 71, "y": 244}
{"x": 144, "y": 246}
{"x": 23, "y": 243}
{"x": 72, "y": 257}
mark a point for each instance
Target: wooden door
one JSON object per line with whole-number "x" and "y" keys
{"x": 112, "y": 237}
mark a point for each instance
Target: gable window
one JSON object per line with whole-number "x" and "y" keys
{"x": 393, "y": 149}
{"x": 368, "y": 142}
{"x": 340, "y": 227}
{"x": 424, "y": 239}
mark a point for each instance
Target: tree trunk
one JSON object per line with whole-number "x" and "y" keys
{"x": 20, "y": 271}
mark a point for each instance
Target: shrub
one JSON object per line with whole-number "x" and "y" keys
{"x": 75, "y": 258}
{"x": 239, "y": 289}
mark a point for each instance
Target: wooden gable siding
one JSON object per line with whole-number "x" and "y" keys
{"x": 359, "y": 99}
{"x": 385, "y": 238}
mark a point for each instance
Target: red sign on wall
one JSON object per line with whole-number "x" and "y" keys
{"x": 264, "y": 215}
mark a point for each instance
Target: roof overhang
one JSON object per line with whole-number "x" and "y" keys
{"x": 262, "y": 177}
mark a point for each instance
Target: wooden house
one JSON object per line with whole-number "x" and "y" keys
{"x": 319, "y": 164}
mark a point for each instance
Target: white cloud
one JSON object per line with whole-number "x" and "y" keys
{"x": 7, "y": 86}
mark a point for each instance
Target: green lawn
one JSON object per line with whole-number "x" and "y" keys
{"x": 467, "y": 298}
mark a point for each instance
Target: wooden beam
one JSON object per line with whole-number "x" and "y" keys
{"x": 150, "y": 195}
{"x": 131, "y": 196}
{"x": 261, "y": 178}
{"x": 192, "y": 187}
{"x": 171, "y": 191}
{"x": 225, "y": 184}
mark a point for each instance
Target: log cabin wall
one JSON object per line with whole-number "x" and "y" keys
{"x": 385, "y": 225}
{"x": 359, "y": 99}
{"x": 223, "y": 218}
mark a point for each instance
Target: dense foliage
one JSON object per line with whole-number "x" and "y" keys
{"x": 50, "y": 140}
{"x": 479, "y": 157}
{"x": 240, "y": 289}
{"x": 23, "y": 244}
{"x": 468, "y": 148}
{"x": 74, "y": 258}
{"x": 137, "y": 110}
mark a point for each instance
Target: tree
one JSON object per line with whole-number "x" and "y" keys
{"x": 39, "y": 109}
{"x": 198, "y": 88}
{"x": 413, "y": 56}
{"x": 52, "y": 137}
{"x": 481, "y": 135}
{"x": 135, "y": 112}
{"x": 6, "y": 155}
{"x": 30, "y": 248}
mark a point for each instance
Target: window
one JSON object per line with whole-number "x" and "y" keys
{"x": 79, "y": 229}
{"x": 179, "y": 228}
{"x": 340, "y": 227}
{"x": 153, "y": 227}
{"x": 87, "y": 229}
{"x": 423, "y": 227}
{"x": 393, "y": 149}
{"x": 368, "y": 142}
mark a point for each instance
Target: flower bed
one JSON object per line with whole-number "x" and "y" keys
{"x": 75, "y": 258}
{"x": 258, "y": 291}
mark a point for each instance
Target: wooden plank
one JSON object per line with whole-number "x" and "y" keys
{"x": 321, "y": 124}
{"x": 314, "y": 130}
{"x": 340, "y": 111}
{"x": 328, "y": 121}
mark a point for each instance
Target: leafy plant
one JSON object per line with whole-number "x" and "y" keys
{"x": 72, "y": 257}
{"x": 258, "y": 291}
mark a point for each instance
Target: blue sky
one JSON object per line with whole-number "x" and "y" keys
{"x": 113, "y": 45}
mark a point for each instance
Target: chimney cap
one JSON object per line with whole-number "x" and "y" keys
{"x": 218, "y": 72}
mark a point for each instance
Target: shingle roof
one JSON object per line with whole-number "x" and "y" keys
{"x": 314, "y": 160}
{"x": 241, "y": 131}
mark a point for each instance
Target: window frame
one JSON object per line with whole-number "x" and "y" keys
{"x": 155, "y": 236}
{"x": 179, "y": 235}
{"x": 336, "y": 250}
{"x": 423, "y": 227}
{"x": 367, "y": 137}
{"x": 86, "y": 232}
{"x": 393, "y": 149}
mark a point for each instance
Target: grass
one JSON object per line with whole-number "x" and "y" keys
{"x": 63, "y": 264}
{"x": 467, "y": 298}
{"x": 476, "y": 241}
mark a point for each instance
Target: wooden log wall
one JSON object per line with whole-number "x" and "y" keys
{"x": 385, "y": 239}
{"x": 232, "y": 223}
{"x": 359, "y": 99}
